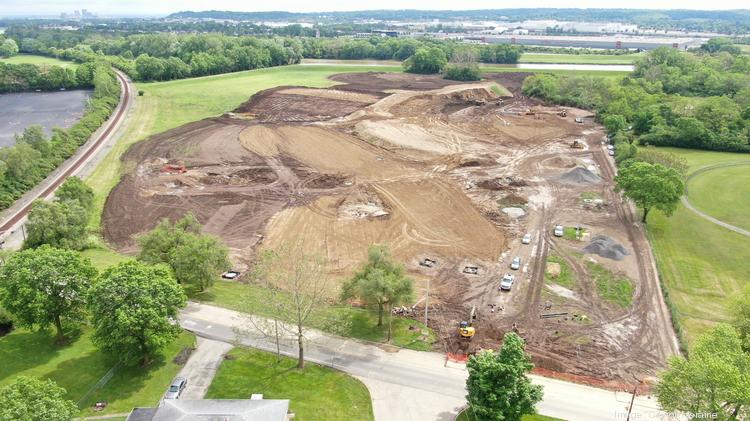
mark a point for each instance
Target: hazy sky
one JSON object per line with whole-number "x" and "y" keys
{"x": 163, "y": 7}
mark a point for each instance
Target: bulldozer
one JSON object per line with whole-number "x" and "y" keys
{"x": 577, "y": 144}
{"x": 465, "y": 328}
{"x": 562, "y": 113}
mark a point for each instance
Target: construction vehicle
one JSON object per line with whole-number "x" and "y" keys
{"x": 577, "y": 144}
{"x": 562, "y": 113}
{"x": 174, "y": 168}
{"x": 465, "y": 328}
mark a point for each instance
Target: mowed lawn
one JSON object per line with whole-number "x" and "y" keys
{"x": 722, "y": 192}
{"x": 78, "y": 366}
{"x": 702, "y": 264}
{"x": 579, "y": 58}
{"x": 38, "y": 60}
{"x": 315, "y": 392}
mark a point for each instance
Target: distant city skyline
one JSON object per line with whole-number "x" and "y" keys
{"x": 160, "y": 8}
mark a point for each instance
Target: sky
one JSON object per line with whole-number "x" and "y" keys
{"x": 164, "y": 7}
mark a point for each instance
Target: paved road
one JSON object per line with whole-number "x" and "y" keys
{"x": 410, "y": 385}
{"x": 201, "y": 367}
{"x": 705, "y": 216}
{"x": 13, "y": 218}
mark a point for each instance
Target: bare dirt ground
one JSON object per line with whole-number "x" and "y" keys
{"x": 434, "y": 169}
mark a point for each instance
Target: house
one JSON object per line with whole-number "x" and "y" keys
{"x": 215, "y": 410}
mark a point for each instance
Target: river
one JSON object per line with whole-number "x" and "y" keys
{"x": 520, "y": 66}
{"x": 48, "y": 109}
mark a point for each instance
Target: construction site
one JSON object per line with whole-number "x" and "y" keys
{"x": 451, "y": 177}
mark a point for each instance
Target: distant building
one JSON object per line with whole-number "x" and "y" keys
{"x": 215, "y": 409}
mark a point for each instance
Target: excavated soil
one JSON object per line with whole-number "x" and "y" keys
{"x": 426, "y": 166}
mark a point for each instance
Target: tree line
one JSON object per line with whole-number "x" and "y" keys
{"x": 34, "y": 156}
{"x": 672, "y": 98}
{"x": 27, "y": 77}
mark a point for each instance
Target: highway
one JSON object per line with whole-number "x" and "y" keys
{"x": 13, "y": 218}
{"x": 410, "y": 385}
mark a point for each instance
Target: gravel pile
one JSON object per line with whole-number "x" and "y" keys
{"x": 579, "y": 175}
{"x": 606, "y": 247}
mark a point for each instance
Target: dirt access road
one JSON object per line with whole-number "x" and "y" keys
{"x": 14, "y": 217}
{"x": 436, "y": 170}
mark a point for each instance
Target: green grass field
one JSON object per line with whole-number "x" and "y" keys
{"x": 78, "y": 366}
{"x": 612, "y": 288}
{"x": 565, "y": 278}
{"x": 341, "y": 320}
{"x": 722, "y": 192}
{"x": 578, "y": 58}
{"x": 315, "y": 392}
{"x": 38, "y": 60}
{"x": 702, "y": 264}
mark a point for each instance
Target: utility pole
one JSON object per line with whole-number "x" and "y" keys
{"x": 632, "y": 400}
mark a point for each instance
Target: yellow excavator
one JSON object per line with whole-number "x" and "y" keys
{"x": 465, "y": 328}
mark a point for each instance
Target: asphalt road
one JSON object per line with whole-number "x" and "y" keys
{"x": 428, "y": 389}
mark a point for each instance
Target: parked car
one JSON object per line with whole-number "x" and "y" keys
{"x": 175, "y": 390}
{"x": 231, "y": 274}
{"x": 516, "y": 263}
{"x": 526, "y": 239}
{"x": 558, "y": 231}
{"x": 611, "y": 147}
{"x": 579, "y": 120}
{"x": 611, "y": 153}
{"x": 507, "y": 282}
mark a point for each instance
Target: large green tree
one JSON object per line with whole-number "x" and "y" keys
{"x": 59, "y": 224}
{"x": 651, "y": 186}
{"x": 43, "y": 286}
{"x": 498, "y": 385}
{"x": 30, "y": 399}
{"x": 380, "y": 282}
{"x": 715, "y": 379}
{"x": 134, "y": 307}
{"x": 196, "y": 259}
{"x": 427, "y": 60}
{"x": 76, "y": 191}
{"x": 741, "y": 312}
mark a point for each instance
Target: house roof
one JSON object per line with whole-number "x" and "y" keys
{"x": 215, "y": 410}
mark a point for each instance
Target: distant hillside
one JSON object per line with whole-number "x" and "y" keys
{"x": 730, "y": 21}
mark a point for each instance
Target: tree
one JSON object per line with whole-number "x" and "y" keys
{"x": 614, "y": 123}
{"x": 715, "y": 379}
{"x": 380, "y": 282}
{"x": 8, "y": 48}
{"x": 426, "y": 61}
{"x": 667, "y": 159}
{"x": 76, "y": 191}
{"x": 42, "y": 286}
{"x": 298, "y": 287}
{"x": 463, "y": 66}
{"x": 30, "y": 399}
{"x": 59, "y": 224}
{"x": 134, "y": 307}
{"x": 741, "y": 315}
{"x": 196, "y": 259}
{"x": 651, "y": 186}
{"x": 498, "y": 387}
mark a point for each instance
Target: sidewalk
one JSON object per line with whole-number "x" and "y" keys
{"x": 201, "y": 367}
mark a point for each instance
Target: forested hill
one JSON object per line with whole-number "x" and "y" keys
{"x": 729, "y": 21}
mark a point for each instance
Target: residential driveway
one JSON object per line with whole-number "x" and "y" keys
{"x": 201, "y": 367}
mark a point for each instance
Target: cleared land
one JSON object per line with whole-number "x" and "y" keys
{"x": 38, "y": 60}
{"x": 579, "y": 58}
{"x": 705, "y": 265}
{"x": 78, "y": 366}
{"x": 316, "y": 392}
{"x": 427, "y": 166}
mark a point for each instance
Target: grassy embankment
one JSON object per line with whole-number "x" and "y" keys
{"x": 316, "y": 392}
{"x": 167, "y": 105}
{"x": 78, "y": 366}
{"x": 701, "y": 264}
{"x": 466, "y": 415}
{"x": 38, "y": 60}
{"x": 579, "y": 58}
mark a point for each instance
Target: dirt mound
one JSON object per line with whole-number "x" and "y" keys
{"x": 378, "y": 81}
{"x": 326, "y": 181}
{"x": 242, "y": 177}
{"x": 513, "y": 81}
{"x": 606, "y": 247}
{"x": 579, "y": 175}
{"x": 503, "y": 183}
{"x": 272, "y": 106}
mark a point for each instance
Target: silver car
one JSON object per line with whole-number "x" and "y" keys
{"x": 516, "y": 263}
{"x": 175, "y": 390}
{"x": 559, "y": 231}
{"x": 526, "y": 239}
{"x": 507, "y": 282}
